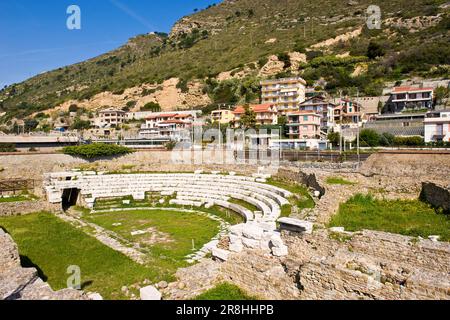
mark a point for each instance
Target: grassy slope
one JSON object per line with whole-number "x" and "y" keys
{"x": 231, "y": 47}
{"x": 302, "y": 199}
{"x": 14, "y": 199}
{"x": 411, "y": 218}
{"x": 54, "y": 245}
{"x": 339, "y": 181}
{"x": 224, "y": 291}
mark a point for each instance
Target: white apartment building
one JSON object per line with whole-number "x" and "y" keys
{"x": 286, "y": 93}
{"x": 109, "y": 118}
{"x": 437, "y": 126}
{"x": 173, "y": 125}
{"x": 410, "y": 98}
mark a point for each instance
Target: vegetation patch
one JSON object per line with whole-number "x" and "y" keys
{"x": 339, "y": 180}
{"x": 53, "y": 245}
{"x": 25, "y": 195}
{"x": 19, "y": 198}
{"x": 169, "y": 235}
{"x": 407, "y": 217}
{"x": 223, "y": 292}
{"x": 301, "y": 199}
{"x": 244, "y": 204}
{"x": 7, "y": 147}
{"x": 96, "y": 150}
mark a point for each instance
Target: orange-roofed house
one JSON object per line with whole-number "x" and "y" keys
{"x": 169, "y": 124}
{"x": 266, "y": 114}
{"x": 408, "y": 97}
{"x": 304, "y": 125}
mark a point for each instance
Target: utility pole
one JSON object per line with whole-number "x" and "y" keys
{"x": 358, "y": 132}
{"x": 340, "y": 124}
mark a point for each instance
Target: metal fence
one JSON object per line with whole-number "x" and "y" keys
{"x": 15, "y": 185}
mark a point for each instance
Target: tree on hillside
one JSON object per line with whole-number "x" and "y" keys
{"x": 73, "y": 108}
{"x": 151, "y": 106}
{"x": 248, "y": 119}
{"x": 375, "y": 50}
{"x": 441, "y": 93}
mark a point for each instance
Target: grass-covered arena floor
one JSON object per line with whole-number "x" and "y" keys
{"x": 52, "y": 245}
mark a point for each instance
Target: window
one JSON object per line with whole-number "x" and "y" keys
{"x": 426, "y": 95}
{"x": 305, "y": 118}
{"x": 413, "y": 96}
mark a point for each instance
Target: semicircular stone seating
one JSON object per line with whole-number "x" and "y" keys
{"x": 191, "y": 189}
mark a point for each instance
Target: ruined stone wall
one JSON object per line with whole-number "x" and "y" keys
{"x": 369, "y": 265}
{"x": 297, "y": 176}
{"x": 365, "y": 265}
{"x": 26, "y": 207}
{"x": 420, "y": 166}
{"x": 260, "y": 274}
{"x": 437, "y": 196}
{"x": 34, "y": 166}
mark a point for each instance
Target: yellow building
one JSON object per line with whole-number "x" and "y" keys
{"x": 286, "y": 94}
{"x": 222, "y": 116}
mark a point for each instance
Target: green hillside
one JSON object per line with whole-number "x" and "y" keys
{"x": 235, "y": 34}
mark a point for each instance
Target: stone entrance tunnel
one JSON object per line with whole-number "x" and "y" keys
{"x": 69, "y": 198}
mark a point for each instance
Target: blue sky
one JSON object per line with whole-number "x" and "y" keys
{"x": 34, "y": 37}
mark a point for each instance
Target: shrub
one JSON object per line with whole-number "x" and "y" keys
{"x": 151, "y": 106}
{"x": 183, "y": 85}
{"x": 131, "y": 104}
{"x": 387, "y": 139}
{"x": 369, "y": 138}
{"x": 96, "y": 150}
{"x": 284, "y": 57}
{"x": 73, "y": 108}
{"x": 7, "y": 147}
{"x": 415, "y": 141}
{"x": 80, "y": 124}
{"x": 375, "y": 50}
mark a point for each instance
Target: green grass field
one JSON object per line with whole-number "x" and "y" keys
{"x": 225, "y": 291}
{"x": 406, "y": 217}
{"x": 339, "y": 181}
{"x": 171, "y": 235}
{"x": 14, "y": 199}
{"x": 53, "y": 246}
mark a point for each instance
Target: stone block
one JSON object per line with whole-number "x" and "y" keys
{"x": 236, "y": 247}
{"x": 220, "y": 254}
{"x": 253, "y": 232}
{"x": 296, "y": 225}
{"x": 237, "y": 229}
{"x": 95, "y": 296}
{"x": 251, "y": 244}
{"x": 276, "y": 241}
{"x": 150, "y": 293}
{"x": 280, "y": 251}
{"x": 337, "y": 229}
